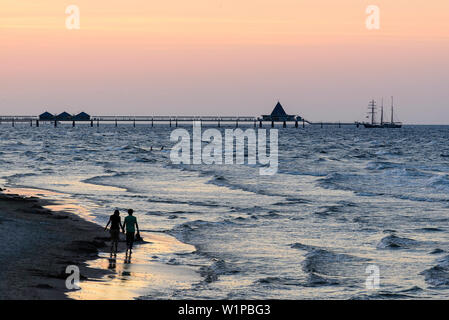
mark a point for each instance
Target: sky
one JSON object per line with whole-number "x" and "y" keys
{"x": 225, "y": 57}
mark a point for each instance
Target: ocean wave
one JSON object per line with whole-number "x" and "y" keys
{"x": 395, "y": 242}
{"x": 289, "y": 171}
{"x": 405, "y": 172}
{"x": 279, "y": 281}
{"x": 305, "y": 247}
{"x": 381, "y": 165}
{"x": 184, "y": 231}
{"x": 17, "y": 176}
{"x": 104, "y": 180}
{"x": 325, "y": 267}
{"x": 188, "y": 202}
{"x": 270, "y": 215}
{"x": 216, "y": 269}
{"x": 221, "y": 181}
{"x": 437, "y": 251}
{"x": 312, "y": 280}
{"x": 315, "y": 280}
{"x": 187, "y": 233}
{"x": 325, "y": 262}
{"x": 382, "y": 153}
{"x": 443, "y": 262}
{"x": 105, "y": 134}
{"x": 383, "y": 295}
{"x": 292, "y": 202}
{"x": 330, "y": 210}
{"x": 413, "y": 289}
{"x": 143, "y": 160}
{"x": 142, "y": 149}
{"x": 436, "y": 276}
{"x": 430, "y": 229}
{"x": 335, "y": 176}
{"x": 439, "y": 182}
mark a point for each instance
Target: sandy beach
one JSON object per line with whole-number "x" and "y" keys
{"x": 39, "y": 240}
{"x": 38, "y": 244}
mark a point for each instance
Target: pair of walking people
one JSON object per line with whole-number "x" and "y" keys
{"x": 130, "y": 224}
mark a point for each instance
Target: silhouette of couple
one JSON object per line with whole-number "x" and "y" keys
{"x": 130, "y": 224}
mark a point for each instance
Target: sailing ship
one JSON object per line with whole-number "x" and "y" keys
{"x": 372, "y": 111}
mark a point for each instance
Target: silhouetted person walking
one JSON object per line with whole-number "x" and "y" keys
{"x": 130, "y": 226}
{"x": 116, "y": 225}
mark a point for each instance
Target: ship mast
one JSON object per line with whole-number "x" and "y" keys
{"x": 382, "y": 114}
{"x": 392, "y": 112}
{"x": 372, "y": 108}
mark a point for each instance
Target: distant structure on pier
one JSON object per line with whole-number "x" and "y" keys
{"x": 46, "y": 116}
{"x": 64, "y": 116}
{"x": 82, "y": 116}
{"x": 279, "y": 114}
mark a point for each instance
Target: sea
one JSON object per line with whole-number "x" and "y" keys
{"x": 352, "y": 213}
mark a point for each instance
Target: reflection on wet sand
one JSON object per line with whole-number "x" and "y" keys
{"x": 142, "y": 273}
{"x": 112, "y": 262}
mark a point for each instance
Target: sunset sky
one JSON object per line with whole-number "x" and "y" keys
{"x": 225, "y": 57}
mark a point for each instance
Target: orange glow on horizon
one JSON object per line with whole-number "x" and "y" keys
{"x": 178, "y": 48}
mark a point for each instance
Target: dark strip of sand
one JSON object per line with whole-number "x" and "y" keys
{"x": 37, "y": 245}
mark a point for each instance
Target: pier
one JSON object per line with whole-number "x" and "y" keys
{"x": 174, "y": 121}
{"x": 277, "y": 116}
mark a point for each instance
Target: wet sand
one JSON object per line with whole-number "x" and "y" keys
{"x": 40, "y": 238}
{"x": 145, "y": 277}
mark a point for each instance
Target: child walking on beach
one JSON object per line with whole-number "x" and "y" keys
{"x": 116, "y": 225}
{"x": 131, "y": 225}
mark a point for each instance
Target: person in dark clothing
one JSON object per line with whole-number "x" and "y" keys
{"x": 131, "y": 224}
{"x": 116, "y": 225}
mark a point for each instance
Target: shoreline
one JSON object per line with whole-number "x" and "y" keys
{"x": 40, "y": 240}
{"x": 38, "y": 245}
